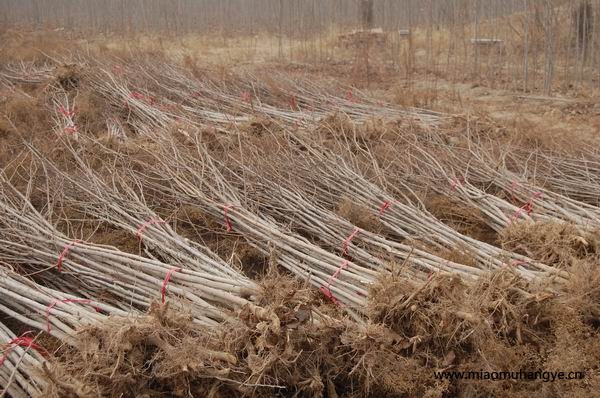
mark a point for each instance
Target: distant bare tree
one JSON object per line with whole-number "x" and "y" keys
{"x": 367, "y": 14}
{"x": 584, "y": 20}
{"x": 548, "y": 23}
{"x": 545, "y": 43}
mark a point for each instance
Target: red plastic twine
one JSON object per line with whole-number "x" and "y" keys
{"x": 53, "y": 304}
{"x": 166, "y": 282}
{"x": 227, "y": 220}
{"x": 527, "y": 207}
{"x": 22, "y": 341}
{"x": 145, "y": 225}
{"x": 349, "y": 239}
{"x": 350, "y": 96}
{"x": 137, "y": 95}
{"x": 71, "y": 129}
{"x": 246, "y": 96}
{"x": 326, "y": 289}
{"x": 386, "y": 205}
{"x": 140, "y": 96}
{"x": 456, "y": 182}
{"x": 513, "y": 187}
{"x": 65, "y": 112}
{"x": 64, "y": 253}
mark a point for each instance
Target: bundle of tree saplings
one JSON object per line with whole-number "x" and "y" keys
{"x": 451, "y": 180}
{"x": 276, "y": 196}
{"x": 119, "y": 200}
{"x": 480, "y": 167}
{"x": 27, "y": 72}
{"x": 329, "y": 176}
{"x": 190, "y": 177}
{"x": 50, "y": 310}
{"x": 64, "y": 114}
{"x": 576, "y": 176}
{"x": 20, "y": 360}
{"x": 220, "y": 100}
{"x": 35, "y": 248}
{"x": 478, "y": 175}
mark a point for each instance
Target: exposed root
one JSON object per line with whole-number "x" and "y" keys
{"x": 287, "y": 347}
{"x": 498, "y": 324}
{"x": 554, "y": 243}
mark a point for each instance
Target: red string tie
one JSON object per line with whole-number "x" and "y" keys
{"x": 64, "y": 253}
{"x": 350, "y": 96}
{"x": 326, "y": 290}
{"x": 144, "y": 226}
{"x": 137, "y": 95}
{"x": 166, "y": 282}
{"x": 527, "y": 207}
{"x": 516, "y": 263}
{"x": 65, "y": 112}
{"x": 386, "y": 205}
{"x": 349, "y": 240}
{"x": 338, "y": 271}
{"x": 293, "y": 102}
{"x": 227, "y": 220}
{"x": 21, "y": 341}
{"x": 247, "y": 96}
{"x": 71, "y": 129}
{"x": 53, "y": 304}
{"x": 456, "y": 182}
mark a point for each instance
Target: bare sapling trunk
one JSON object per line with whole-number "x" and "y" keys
{"x": 367, "y": 14}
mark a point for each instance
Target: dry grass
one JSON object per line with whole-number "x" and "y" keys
{"x": 468, "y": 220}
{"x": 358, "y": 215}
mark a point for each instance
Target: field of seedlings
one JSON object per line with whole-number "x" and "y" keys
{"x": 176, "y": 226}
